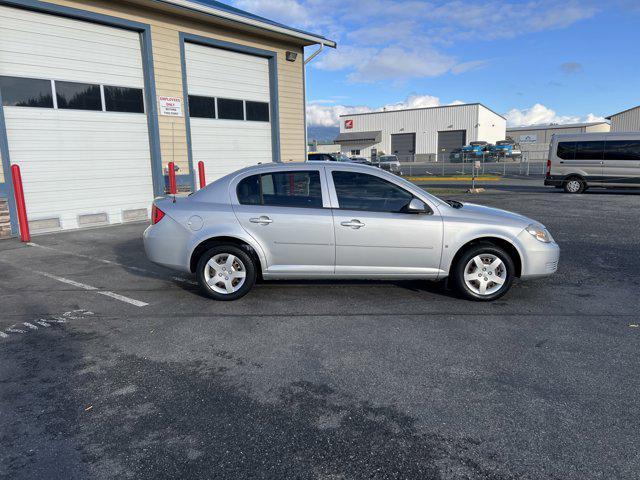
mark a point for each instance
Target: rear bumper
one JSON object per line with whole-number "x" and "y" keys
{"x": 166, "y": 242}
{"x": 553, "y": 181}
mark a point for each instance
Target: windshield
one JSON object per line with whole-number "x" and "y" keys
{"x": 341, "y": 157}
{"x": 388, "y": 158}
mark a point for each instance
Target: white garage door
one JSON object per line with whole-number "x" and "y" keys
{"x": 74, "y": 107}
{"x": 229, "y": 109}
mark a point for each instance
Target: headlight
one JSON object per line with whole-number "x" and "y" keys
{"x": 540, "y": 233}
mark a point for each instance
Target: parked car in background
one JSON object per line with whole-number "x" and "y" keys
{"x": 340, "y": 220}
{"x": 327, "y": 157}
{"x": 360, "y": 160}
{"x": 476, "y": 149}
{"x": 389, "y": 163}
{"x": 581, "y": 161}
{"x": 505, "y": 148}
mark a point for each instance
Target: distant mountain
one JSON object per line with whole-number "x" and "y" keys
{"x": 322, "y": 134}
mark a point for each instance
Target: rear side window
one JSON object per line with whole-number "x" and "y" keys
{"x": 26, "y": 92}
{"x": 593, "y": 150}
{"x": 282, "y": 189}
{"x": 622, "y": 150}
{"x": 359, "y": 191}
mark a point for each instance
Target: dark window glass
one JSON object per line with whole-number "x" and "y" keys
{"x": 285, "y": 189}
{"x": 257, "y": 111}
{"x": 230, "y": 109}
{"x": 123, "y": 99}
{"x": 359, "y": 191}
{"x": 622, "y": 150}
{"x": 566, "y": 150}
{"x": 249, "y": 191}
{"x": 78, "y": 96}
{"x": 202, "y": 107}
{"x": 590, "y": 150}
{"x": 26, "y": 92}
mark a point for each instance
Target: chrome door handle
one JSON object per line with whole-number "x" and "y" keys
{"x": 263, "y": 220}
{"x": 353, "y": 224}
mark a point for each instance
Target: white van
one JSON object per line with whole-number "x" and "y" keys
{"x": 579, "y": 161}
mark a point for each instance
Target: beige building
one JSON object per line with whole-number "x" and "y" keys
{"x": 534, "y": 140}
{"x": 98, "y": 96}
{"x": 626, "y": 121}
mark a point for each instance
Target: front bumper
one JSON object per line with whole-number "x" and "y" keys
{"x": 538, "y": 259}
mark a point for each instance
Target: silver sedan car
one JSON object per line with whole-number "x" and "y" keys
{"x": 341, "y": 221}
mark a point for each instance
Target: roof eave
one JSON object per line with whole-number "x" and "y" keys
{"x": 307, "y": 38}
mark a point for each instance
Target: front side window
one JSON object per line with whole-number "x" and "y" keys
{"x": 360, "y": 191}
{"x": 230, "y": 109}
{"x": 78, "y": 96}
{"x": 590, "y": 150}
{"x": 123, "y": 99}
{"x": 282, "y": 189}
{"x": 622, "y": 150}
{"x": 26, "y": 92}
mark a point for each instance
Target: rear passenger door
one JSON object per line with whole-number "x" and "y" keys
{"x": 284, "y": 211}
{"x": 622, "y": 163}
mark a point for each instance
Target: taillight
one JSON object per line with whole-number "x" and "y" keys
{"x": 156, "y": 214}
{"x": 549, "y": 168}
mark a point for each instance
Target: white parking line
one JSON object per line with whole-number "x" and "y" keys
{"x": 110, "y": 262}
{"x": 122, "y": 298}
{"x": 84, "y": 286}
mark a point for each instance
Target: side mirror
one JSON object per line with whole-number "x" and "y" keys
{"x": 416, "y": 206}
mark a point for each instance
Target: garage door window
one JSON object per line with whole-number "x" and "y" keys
{"x": 123, "y": 99}
{"x": 230, "y": 109}
{"x": 78, "y": 96}
{"x": 26, "y": 92}
{"x": 282, "y": 189}
{"x": 257, "y": 111}
{"x": 202, "y": 107}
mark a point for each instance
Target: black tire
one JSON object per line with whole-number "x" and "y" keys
{"x": 459, "y": 268}
{"x": 245, "y": 261}
{"x": 574, "y": 185}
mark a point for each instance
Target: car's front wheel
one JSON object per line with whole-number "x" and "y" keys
{"x": 226, "y": 272}
{"x": 484, "y": 272}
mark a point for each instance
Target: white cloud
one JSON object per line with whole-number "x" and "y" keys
{"x": 328, "y": 115}
{"x": 539, "y": 114}
{"x": 286, "y": 11}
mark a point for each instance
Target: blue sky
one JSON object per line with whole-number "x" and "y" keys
{"x": 536, "y": 61}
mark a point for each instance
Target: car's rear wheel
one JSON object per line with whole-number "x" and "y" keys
{"x": 574, "y": 185}
{"x": 226, "y": 272}
{"x": 484, "y": 272}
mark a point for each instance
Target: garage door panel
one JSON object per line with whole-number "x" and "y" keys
{"x": 76, "y": 162}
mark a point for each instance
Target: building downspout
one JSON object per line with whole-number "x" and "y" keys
{"x": 304, "y": 93}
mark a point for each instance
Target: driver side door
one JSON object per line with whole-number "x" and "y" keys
{"x": 374, "y": 235}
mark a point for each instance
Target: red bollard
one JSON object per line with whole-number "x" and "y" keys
{"x": 18, "y": 191}
{"x": 172, "y": 178}
{"x": 203, "y": 182}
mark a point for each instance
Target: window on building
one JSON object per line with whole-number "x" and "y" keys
{"x": 230, "y": 109}
{"x": 123, "y": 99}
{"x": 567, "y": 150}
{"x": 78, "y": 96}
{"x": 622, "y": 150}
{"x": 282, "y": 189}
{"x": 257, "y": 111}
{"x": 593, "y": 150}
{"x": 202, "y": 107}
{"x": 26, "y": 92}
{"x": 355, "y": 152}
{"x": 360, "y": 191}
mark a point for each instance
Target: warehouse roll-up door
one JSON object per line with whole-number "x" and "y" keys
{"x": 73, "y": 101}
{"x": 449, "y": 141}
{"x": 404, "y": 146}
{"x": 229, "y": 109}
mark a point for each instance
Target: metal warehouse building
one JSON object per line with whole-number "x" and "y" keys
{"x": 626, "y": 121}
{"x": 97, "y": 96}
{"x": 420, "y": 134}
{"x": 534, "y": 140}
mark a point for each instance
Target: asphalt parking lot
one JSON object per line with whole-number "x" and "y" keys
{"x": 111, "y": 367}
